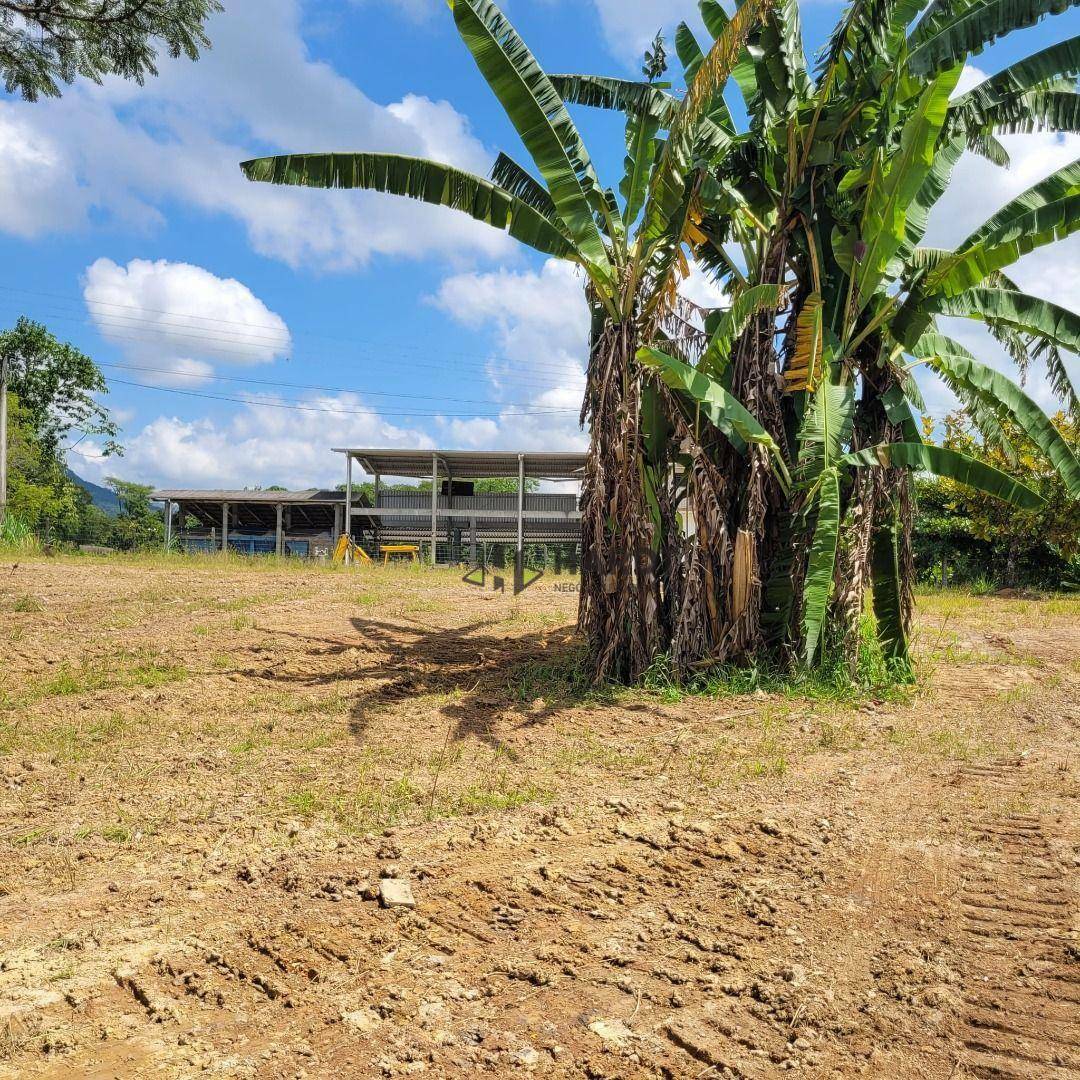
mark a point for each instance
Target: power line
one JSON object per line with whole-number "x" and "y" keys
{"x": 337, "y": 389}
{"x": 247, "y": 327}
{"x": 318, "y": 409}
{"x": 138, "y": 337}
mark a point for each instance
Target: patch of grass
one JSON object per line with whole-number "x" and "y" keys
{"x": 247, "y": 744}
{"x": 28, "y": 605}
{"x": 123, "y": 671}
{"x": 242, "y": 622}
{"x": 320, "y": 740}
{"x": 499, "y": 794}
{"x": 77, "y": 742}
{"x": 563, "y": 678}
{"x": 830, "y": 680}
{"x": 200, "y": 630}
{"x": 69, "y": 681}
{"x": 304, "y": 802}
{"x": 838, "y": 736}
{"x": 765, "y": 768}
{"x": 116, "y": 834}
{"x": 583, "y": 747}
{"x": 156, "y": 671}
{"x": 30, "y": 838}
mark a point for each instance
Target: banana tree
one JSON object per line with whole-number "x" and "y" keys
{"x": 632, "y": 252}
{"x": 829, "y": 200}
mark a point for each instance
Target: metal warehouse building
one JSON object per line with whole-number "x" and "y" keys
{"x": 450, "y": 522}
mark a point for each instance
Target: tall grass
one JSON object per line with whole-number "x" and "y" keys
{"x": 17, "y": 537}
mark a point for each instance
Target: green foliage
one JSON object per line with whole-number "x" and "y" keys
{"x": 52, "y": 402}
{"x": 48, "y": 42}
{"x": 976, "y": 535}
{"x": 55, "y": 384}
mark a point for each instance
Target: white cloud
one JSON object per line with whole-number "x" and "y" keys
{"x": 540, "y": 325}
{"x": 35, "y": 191}
{"x": 178, "y": 317}
{"x": 119, "y": 153}
{"x": 259, "y": 445}
{"x": 630, "y": 25}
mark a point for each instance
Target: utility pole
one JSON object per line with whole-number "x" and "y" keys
{"x": 3, "y": 437}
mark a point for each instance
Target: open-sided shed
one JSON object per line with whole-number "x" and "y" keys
{"x": 254, "y": 522}
{"x": 451, "y": 514}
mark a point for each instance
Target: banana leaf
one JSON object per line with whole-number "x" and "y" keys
{"x": 825, "y": 430}
{"x": 512, "y": 177}
{"x": 1058, "y": 185}
{"x": 416, "y": 178}
{"x": 731, "y": 323}
{"x": 975, "y": 26}
{"x": 538, "y": 114}
{"x": 898, "y": 183}
{"x": 619, "y": 95}
{"x": 960, "y": 367}
{"x": 951, "y": 465}
{"x": 729, "y": 416}
{"x": 820, "y": 565}
{"x": 1061, "y": 58}
{"x": 886, "y": 584}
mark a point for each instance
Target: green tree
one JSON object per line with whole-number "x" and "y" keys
{"x": 44, "y": 43}
{"x": 828, "y": 200}
{"x": 40, "y": 495}
{"x": 1015, "y": 546}
{"x": 52, "y": 404}
{"x": 139, "y": 523}
{"x": 56, "y": 383}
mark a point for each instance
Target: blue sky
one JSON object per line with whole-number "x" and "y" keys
{"x": 126, "y": 227}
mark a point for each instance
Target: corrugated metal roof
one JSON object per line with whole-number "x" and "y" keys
{"x": 467, "y": 464}
{"x": 194, "y": 495}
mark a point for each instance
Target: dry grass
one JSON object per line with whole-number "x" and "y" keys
{"x": 152, "y": 694}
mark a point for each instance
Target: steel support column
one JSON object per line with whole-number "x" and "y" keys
{"x": 348, "y": 503}
{"x": 434, "y": 504}
{"x": 519, "y": 561}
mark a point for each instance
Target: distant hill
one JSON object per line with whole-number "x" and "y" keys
{"x": 102, "y": 497}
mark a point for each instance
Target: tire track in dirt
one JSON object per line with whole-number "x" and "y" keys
{"x": 1021, "y": 1015}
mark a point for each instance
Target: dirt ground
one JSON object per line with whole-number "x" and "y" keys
{"x": 207, "y": 768}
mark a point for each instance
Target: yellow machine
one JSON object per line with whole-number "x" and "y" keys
{"x": 346, "y": 546}
{"x": 409, "y": 551}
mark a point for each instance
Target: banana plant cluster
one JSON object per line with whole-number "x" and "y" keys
{"x": 816, "y": 225}
{"x": 749, "y": 469}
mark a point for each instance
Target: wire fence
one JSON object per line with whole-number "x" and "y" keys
{"x": 548, "y": 557}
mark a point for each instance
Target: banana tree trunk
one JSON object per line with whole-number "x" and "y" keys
{"x": 619, "y": 612}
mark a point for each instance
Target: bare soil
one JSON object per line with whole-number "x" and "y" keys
{"x": 207, "y": 767}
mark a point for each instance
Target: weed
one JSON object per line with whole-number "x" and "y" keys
{"x": 124, "y": 670}
{"x": 497, "y": 795}
{"x": 875, "y": 675}
{"x": 304, "y": 802}
{"x": 27, "y": 605}
{"x": 765, "y": 768}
